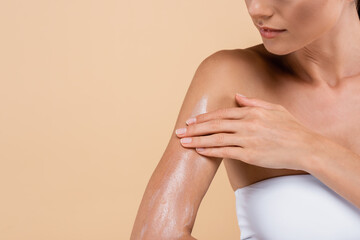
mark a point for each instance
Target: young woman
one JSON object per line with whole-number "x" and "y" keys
{"x": 291, "y": 148}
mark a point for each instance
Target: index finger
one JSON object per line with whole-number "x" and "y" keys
{"x": 225, "y": 113}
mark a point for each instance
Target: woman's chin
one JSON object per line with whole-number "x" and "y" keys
{"x": 276, "y": 49}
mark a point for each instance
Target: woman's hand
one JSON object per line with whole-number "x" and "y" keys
{"x": 259, "y": 133}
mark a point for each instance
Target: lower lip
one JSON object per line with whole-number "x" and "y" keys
{"x": 270, "y": 34}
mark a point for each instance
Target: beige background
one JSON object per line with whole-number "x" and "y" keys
{"x": 89, "y": 95}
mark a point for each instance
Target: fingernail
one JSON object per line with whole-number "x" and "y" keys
{"x": 200, "y": 149}
{"x": 240, "y": 95}
{"x": 180, "y": 131}
{"x": 185, "y": 140}
{"x": 190, "y": 121}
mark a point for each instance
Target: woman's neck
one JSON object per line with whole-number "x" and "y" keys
{"x": 333, "y": 57}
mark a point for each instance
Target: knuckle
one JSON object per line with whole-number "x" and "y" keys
{"x": 258, "y": 111}
{"x": 250, "y": 141}
{"x": 215, "y": 124}
{"x": 249, "y": 156}
{"x": 197, "y": 140}
{"x": 219, "y": 139}
{"x": 224, "y": 112}
{"x": 199, "y": 118}
{"x": 253, "y": 126}
{"x": 254, "y": 111}
{"x": 227, "y": 152}
{"x": 254, "y": 123}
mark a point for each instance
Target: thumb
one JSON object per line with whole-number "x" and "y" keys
{"x": 255, "y": 102}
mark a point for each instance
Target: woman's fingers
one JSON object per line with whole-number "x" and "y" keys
{"x": 223, "y": 113}
{"x": 256, "y": 102}
{"x": 214, "y": 140}
{"x": 210, "y": 127}
{"x": 236, "y": 153}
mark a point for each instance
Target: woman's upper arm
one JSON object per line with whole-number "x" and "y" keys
{"x": 182, "y": 176}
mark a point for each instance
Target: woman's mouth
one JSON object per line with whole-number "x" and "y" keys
{"x": 270, "y": 32}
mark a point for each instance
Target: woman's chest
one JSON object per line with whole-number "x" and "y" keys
{"x": 334, "y": 114}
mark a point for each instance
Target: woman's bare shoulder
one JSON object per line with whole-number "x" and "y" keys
{"x": 240, "y": 58}
{"x": 248, "y": 70}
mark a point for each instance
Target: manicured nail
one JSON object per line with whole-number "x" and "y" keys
{"x": 180, "y": 131}
{"x": 185, "y": 140}
{"x": 200, "y": 149}
{"x": 240, "y": 95}
{"x": 190, "y": 121}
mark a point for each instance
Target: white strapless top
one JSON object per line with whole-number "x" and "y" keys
{"x": 295, "y": 207}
